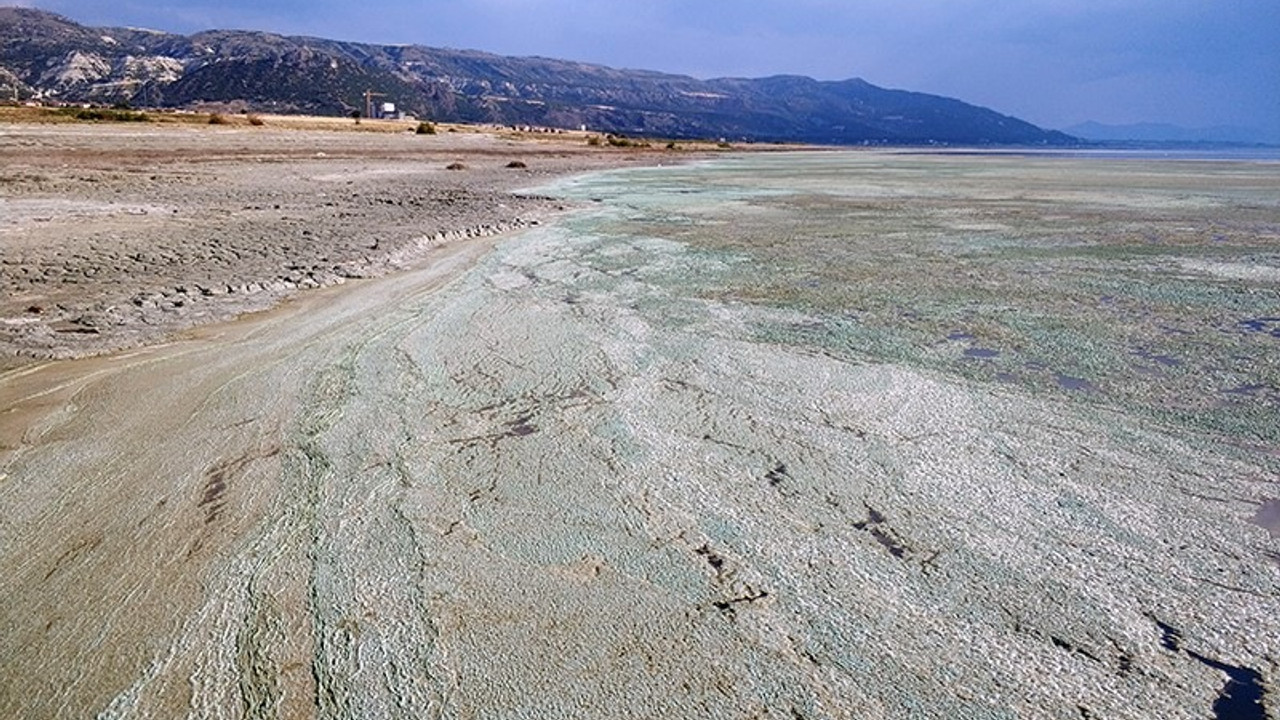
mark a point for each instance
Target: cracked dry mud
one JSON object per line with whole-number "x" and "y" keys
{"x": 626, "y": 465}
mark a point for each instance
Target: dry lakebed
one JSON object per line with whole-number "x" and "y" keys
{"x": 301, "y": 424}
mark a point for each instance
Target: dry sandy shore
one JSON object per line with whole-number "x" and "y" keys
{"x": 113, "y": 236}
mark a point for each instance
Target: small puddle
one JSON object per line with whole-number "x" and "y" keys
{"x": 959, "y": 335}
{"x": 979, "y": 352}
{"x": 1241, "y": 697}
{"x": 1166, "y": 360}
{"x": 1244, "y": 390}
{"x": 1267, "y": 325}
{"x": 1067, "y": 382}
{"x": 1268, "y": 516}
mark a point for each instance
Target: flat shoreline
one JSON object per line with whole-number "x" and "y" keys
{"x": 115, "y": 236}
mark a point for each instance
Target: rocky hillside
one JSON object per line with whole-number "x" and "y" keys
{"x": 47, "y": 56}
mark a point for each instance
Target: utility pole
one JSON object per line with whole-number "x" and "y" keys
{"x": 369, "y": 95}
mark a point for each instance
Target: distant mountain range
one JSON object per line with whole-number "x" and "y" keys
{"x": 1164, "y": 133}
{"x": 48, "y": 56}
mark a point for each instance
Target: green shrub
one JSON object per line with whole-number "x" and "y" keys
{"x": 426, "y": 128}
{"x": 96, "y": 114}
{"x": 594, "y": 141}
{"x": 623, "y": 141}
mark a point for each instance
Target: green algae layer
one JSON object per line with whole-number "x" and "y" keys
{"x": 1146, "y": 286}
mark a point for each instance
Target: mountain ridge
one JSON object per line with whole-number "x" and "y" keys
{"x": 52, "y": 57}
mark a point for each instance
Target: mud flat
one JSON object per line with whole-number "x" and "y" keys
{"x": 857, "y": 435}
{"x": 114, "y": 236}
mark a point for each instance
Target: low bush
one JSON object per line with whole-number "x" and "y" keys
{"x": 426, "y": 128}
{"x": 256, "y": 120}
{"x": 96, "y": 114}
{"x": 218, "y": 119}
{"x": 623, "y": 141}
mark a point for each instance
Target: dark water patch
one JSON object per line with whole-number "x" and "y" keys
{"x": 777, "y": 474}
{"x": 1268, "y": 516}
{"x": 1107, "y": 300}
{"x": 1241, "y": 697}
{"x": 874, "y": 526}
{"x": 728, "y": 606}
{"x": 521, "y": 427}
{"x": 1159, "y": 359}
{"x": 959, "y": 335}
{"x": 711, "y": 556}
{"x": 1067, "y": 382}
{"x": 1170, "y": 636}
{"x": 1266, "y": 325}
{"x": 1073, "y": 648}
{"x": 1125, "y": 668}
{"x": 1005, "y": 377}
{"x": 1249, "y": 390}
{"x": 981, "y": 353}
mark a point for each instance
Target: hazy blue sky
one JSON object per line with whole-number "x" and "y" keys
{"x": 1053, "y": 62}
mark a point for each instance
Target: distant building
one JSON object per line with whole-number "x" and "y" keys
{"x": 388, "y": 110}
